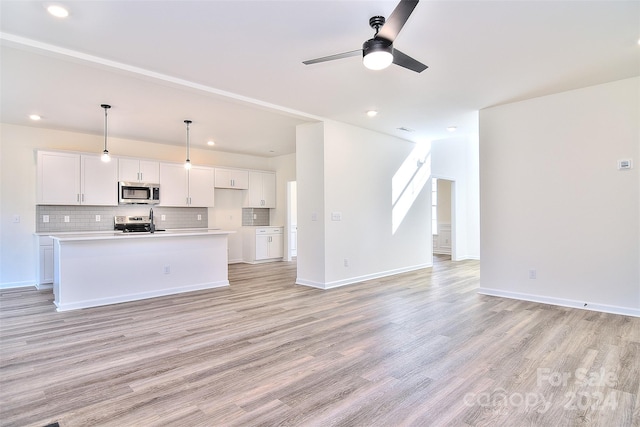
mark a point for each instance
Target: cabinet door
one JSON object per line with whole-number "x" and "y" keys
{"x": 201, "y": 186}
{"x": 149, "y": 172}
{"x": 268, "y": 190}
{"x": 253, "y": 198}
{"x": 99, "y": 182}
{"x": 222, "y": 178}
{"x": 46, "y": 265}
{"x": 262, "y": 247}
{"x": 58, "y": 178}
{"x": 173, "y": 185}
{"x": 239, "y": 179}
{"x": 129, "y": 170}
{"x": 276, "y": 246}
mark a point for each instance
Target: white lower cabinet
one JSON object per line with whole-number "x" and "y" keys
{"x": 44, "y": 274}
{"x": 262, "y": 244}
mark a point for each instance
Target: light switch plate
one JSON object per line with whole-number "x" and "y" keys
{"x": 625, "y": 164}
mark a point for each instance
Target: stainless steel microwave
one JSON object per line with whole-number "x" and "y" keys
{"x": 138, "y": 193}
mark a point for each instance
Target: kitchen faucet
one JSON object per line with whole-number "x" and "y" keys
{"x": 152, "y": 226}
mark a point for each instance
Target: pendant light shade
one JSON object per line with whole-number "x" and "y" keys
{"x": 187, "y": 163}
{"x": 105, "y": 154}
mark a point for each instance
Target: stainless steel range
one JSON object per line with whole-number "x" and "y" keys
{"x": 134, "y": 224}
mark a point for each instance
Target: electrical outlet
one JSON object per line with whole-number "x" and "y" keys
{"x": 167, "y": 269}
{"x": 199, "y": 217}
{"x": 163, "y": 217}
{"x": 97, "y": 218}
{"x": 533, "y": 274}
{"x": 346, "y": 262}
{"x": 45, "y": 218}
{"x": 66, "y": 218}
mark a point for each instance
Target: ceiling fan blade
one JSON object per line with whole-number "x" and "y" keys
{"x": 332, "y": 57}
{"x": 404, "y": 60}
{"x": 396, "y": 20}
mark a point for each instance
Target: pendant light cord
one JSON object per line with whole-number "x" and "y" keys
{"x": 105, "y": 153}
{"x": 188, "y": 161}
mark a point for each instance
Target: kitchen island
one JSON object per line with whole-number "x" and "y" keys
{"x": 106, "y": 268}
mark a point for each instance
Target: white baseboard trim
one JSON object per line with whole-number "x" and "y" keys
{"x": 9, "y": 285}
{"x": 468, "y": 257}
{"x": 604, "y": 308}
{"x": 358, "y": 279}
{"x": 135, "y": 297}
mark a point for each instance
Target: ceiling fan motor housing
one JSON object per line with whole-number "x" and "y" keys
{"x": 376, "y": 45}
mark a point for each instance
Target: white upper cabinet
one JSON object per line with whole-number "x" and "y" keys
{"x": 232, "y": 178}
{"x": 174, "y": 185}
{"x": 99, "y": 181}
{"x": 136, "y": 170}
{"x": 181, "y": 187}
{"x": 201, "y": 184}
{"x": 262, "y": 190}
{"x": 75, "y": 179}
{"x": 58, "y": 178}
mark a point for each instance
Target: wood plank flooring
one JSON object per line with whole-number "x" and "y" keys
{"x": 416, "y": 349}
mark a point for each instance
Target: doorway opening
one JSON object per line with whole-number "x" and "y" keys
{"x": 443, "y": 218}
{"x": 291, "y": 247}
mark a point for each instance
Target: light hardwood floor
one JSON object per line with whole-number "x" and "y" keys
{"x": 421, "y": 348}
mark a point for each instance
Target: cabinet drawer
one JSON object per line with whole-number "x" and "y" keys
{"x": 268, "y": 230}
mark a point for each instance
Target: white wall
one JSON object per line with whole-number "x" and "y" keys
{"x": 348, "y": 170}
{"x": 18, "y": 185}
{"x": 456, "y": 159}
{"x": 553, "y": 200}
{"x": 310, "y": 172}
{"x": 444, "y": 201}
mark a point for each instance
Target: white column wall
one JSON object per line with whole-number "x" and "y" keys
{"x": 553, "y": 201}
{"x": 456, "y": 159}
{"x": 355, "y": 183}
{"x": 310, "y": 171}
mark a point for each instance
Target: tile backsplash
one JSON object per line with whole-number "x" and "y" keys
{"x": 83, "y": 218}
{"x": 255, "y": 216}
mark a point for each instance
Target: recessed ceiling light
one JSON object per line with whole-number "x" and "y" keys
{"x": 58, "y": 11}
{"x": 372, "y": 113}
{"x": 452, "y": 128}
{"x": 211, "y": 142}
{"x": 34, "y": 117}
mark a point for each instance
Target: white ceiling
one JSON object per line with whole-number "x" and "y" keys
{"x": 235, "y": 67}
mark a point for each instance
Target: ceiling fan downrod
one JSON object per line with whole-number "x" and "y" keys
{"x": 376, "y": 22}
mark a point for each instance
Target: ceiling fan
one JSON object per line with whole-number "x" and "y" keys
{"x": 378, "y": 52}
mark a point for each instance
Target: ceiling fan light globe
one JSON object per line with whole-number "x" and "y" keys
{"x": 377, "y": 54}
{"x": 377, "y": 60}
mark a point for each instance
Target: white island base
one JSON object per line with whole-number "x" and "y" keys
{"x": 95, "y": 270}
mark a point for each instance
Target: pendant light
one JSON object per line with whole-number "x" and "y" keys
{"x": 105, "y": 154}
{"x": 187, "y": 163}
